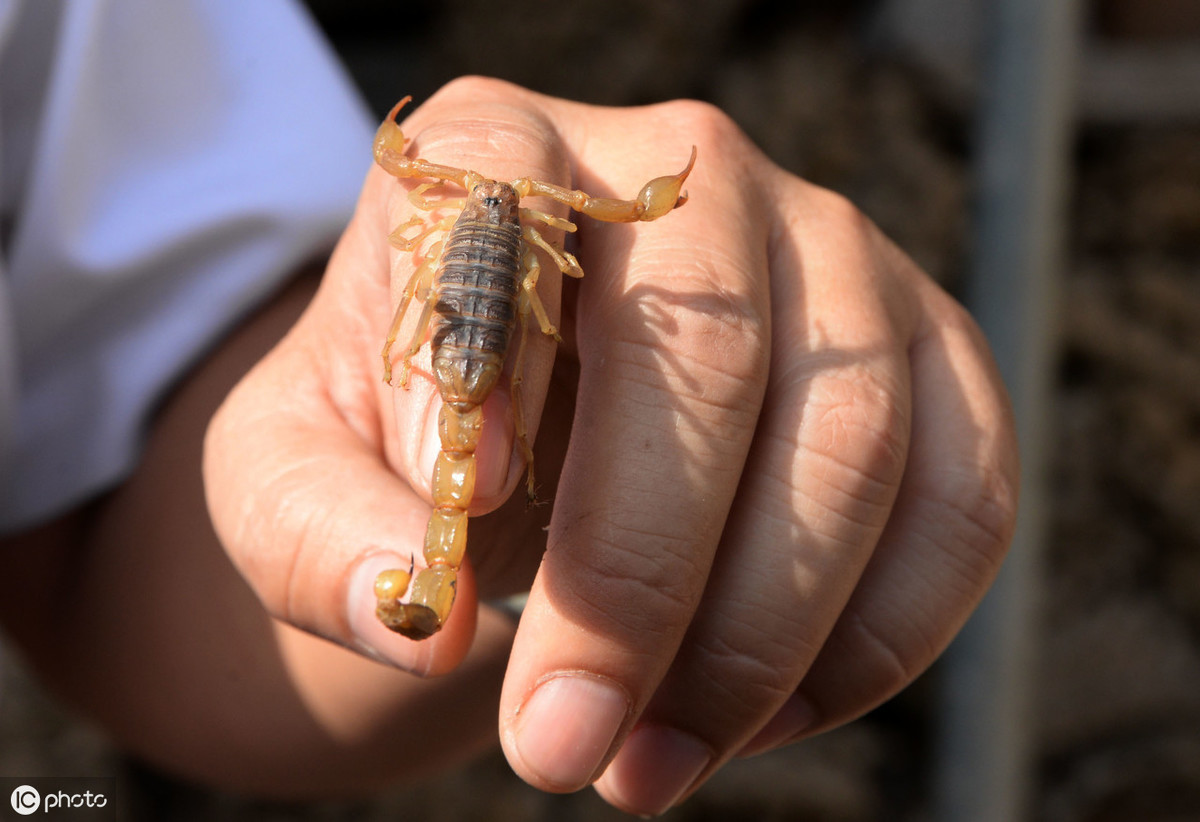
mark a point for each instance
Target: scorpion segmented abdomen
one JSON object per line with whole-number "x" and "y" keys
{"x": 476, "y": 296}
{"x": 476, "y": 288}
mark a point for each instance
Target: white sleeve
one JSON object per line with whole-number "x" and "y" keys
{"x": 163, "y": 166}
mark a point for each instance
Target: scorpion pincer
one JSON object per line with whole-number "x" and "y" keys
{"x": 477, "y": 284}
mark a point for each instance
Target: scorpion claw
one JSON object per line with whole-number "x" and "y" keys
{"x": 662, "y": 194}
{"x": 389, "y": 137}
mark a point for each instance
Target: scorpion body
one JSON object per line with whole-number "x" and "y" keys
{"x": 474, "y": 296}
{"x": 478, "y": 286}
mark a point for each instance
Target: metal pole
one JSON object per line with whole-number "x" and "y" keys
{"x": 1026, "y": 114}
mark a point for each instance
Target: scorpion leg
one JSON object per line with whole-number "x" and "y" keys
{"x": 548, "y": 219}
{"x": 418, "y": 338}
{"x": 397, "y": 238}
{"x": 527, "y": 301}
{"x": 403, "y": 243}
{"x": 657, "y": 197}
{"x": 533, "y": 270}
{"x": 566, "y": 262}
{"x": 518, "y": 406}
{"x": 417, "y": 197}
{"x": 418, "y": 284}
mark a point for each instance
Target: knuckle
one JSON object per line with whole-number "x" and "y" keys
{"x": 475, "y": 87}
{"x": 977, "y": 494}
{"x": 708, "y": 125}
{"x": 858, "y": 428}
{"x": 889, "y": 658}
{"x": 851, "y": 455}
{"x": 839, "y": 210}
{"x": 979, "y": 511}
{"x": 710, "y": 339}
{"x": 479, "y": 132}
{"x": 821, "y": 212}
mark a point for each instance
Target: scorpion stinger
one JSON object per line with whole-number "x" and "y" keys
{"x": 477, "y": 285}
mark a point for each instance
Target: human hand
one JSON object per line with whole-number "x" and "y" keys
{"x": 789, "y": 477}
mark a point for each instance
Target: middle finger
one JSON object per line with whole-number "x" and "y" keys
{"x": 672, "y": 346}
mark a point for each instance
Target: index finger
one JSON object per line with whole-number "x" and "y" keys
{"x": 673, "y": 340}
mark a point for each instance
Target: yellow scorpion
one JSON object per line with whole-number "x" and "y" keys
{"x": 477, "y": 282}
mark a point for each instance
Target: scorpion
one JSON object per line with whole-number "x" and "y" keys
{"x": 477, "y": 281}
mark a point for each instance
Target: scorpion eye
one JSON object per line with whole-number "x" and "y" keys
{"x": 492, "y": 201}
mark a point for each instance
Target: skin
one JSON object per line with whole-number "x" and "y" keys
{"x": 786, "y": 474}
{"x": 130, "y": 611}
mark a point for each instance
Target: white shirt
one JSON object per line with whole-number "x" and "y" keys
{"x": 163, "y": 166}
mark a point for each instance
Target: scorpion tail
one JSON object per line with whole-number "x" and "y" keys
{"x": 419, "y": 618}
{"x": 434, "y": 587}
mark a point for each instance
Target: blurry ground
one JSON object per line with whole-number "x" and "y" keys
{"x": 1118, "y": 690}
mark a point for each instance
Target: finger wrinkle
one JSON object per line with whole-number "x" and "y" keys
{"x": 725, "y": 636}
{"x": 979, "y": 521}
{"x": 836, "y": 530}
{"x": 940, "y": 576}
{"x": 869, "y": 486}
{"x": 664, "y": 577}
{"x": 941, "y": 526}
{"x": 660, "y": 545}
{"x": 670, "y": 380}
{"x": 684, "y": 269}
{"x": 863, "y": 641}
{"x": 902, "y": 641}
{"x": 667, "y": 309}
{"x": 747, "y": 682}
{"x": 602, "y": 600}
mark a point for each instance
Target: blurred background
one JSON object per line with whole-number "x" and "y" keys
{"x": 1076, "y": 695}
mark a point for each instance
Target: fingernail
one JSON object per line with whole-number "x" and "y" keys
{"x": 655, "y": 768}
{"x": 431, "y": 442}
{"x": 371, "y": 636}
{"x": 566, "y": 727}
{"x": 793, "y": 718}
{"x": 493, "y": 452}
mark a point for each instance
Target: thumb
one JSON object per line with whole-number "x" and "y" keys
{"x": 469, "y": 304}
{"x": 301, "y": 493}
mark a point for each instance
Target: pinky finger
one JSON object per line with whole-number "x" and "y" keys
{"x": 943, "y": 544}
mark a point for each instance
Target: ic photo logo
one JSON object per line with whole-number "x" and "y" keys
{"x": 26, "y": 800}
{"x": 52, "y": 798}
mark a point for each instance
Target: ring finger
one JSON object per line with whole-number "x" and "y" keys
{"x": 816, "y": 493}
